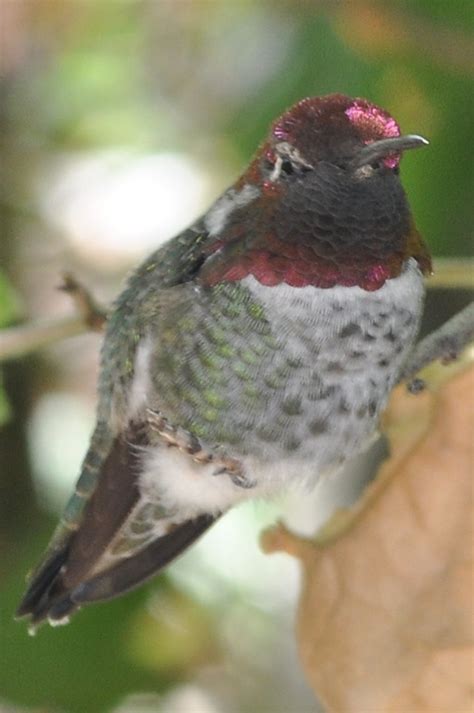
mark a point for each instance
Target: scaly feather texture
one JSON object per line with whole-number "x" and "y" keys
{"x": 251, "y": 353}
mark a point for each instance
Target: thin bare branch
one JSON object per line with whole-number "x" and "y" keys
{"x": 445, "y": 344}
{"x": 93, "y": 316}
{"x": 18, "y": 341}
{"x": 452, "y": 274}
{"x": 26, "y": 338}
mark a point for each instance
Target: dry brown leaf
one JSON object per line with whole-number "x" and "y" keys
{"x": 385, "y": 617}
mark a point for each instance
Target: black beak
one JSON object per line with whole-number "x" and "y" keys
{"x": 385, "y": 147}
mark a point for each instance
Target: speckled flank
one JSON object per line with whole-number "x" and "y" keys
{"x": 277, "y": 375}
{"x": 263, "y": 340}
{"x": 294, "y": 398}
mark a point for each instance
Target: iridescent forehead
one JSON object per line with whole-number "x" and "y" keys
{"x": 332, "y": 123}
{"x": 371, "y": 119}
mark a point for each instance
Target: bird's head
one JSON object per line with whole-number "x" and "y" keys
{"x": 322, "y": 203}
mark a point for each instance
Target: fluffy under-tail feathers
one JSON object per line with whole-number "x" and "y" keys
{"x": 70, "y": 575}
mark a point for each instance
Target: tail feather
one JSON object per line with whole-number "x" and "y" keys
{"x": 51, "y": 599}
{"x": 39, "y": 590}
{"x": 113, "y": 500}
{"x": 82, "y": 565}
{"x": 132, "y": 571}
{"x": 77, "y": 547}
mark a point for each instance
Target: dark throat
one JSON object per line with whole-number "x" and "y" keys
{"x": 317, "y": 236}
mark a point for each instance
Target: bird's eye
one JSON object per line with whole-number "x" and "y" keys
{"x": 375, "y": 165}
{"x": 286, "y": 160}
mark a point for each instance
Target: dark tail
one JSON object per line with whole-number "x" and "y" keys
{"x": 75, "y": 570}
{"x": 47, "y": 597}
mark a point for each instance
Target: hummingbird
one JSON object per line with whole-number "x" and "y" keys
{"x": 250, "y": 354}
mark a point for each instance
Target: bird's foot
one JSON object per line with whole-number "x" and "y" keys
{"x": 175, "y": 436}
{"x": 233, "y": 468}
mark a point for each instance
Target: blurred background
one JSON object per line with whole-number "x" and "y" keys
{"x": 119, "y": 123}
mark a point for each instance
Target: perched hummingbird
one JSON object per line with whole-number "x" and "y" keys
{"x": 251, "y": 353}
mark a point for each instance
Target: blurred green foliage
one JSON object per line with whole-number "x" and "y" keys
{"x": 103, "y": 655}
{"x": 137, "y": 74}
{"x": 9, "y": 312}
{"x": 203, "y": 77}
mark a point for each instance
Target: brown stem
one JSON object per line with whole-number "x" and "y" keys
{"x": 445, "y": 343}
{"x": 24, "y": 339}
{"x": 93, "y": 316}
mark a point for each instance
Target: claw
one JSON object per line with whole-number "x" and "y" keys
{"x": 242, "y": 482}
{"x": 188, "y": 443}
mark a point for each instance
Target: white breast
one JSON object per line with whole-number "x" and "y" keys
{"x": 308, "y": 322}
